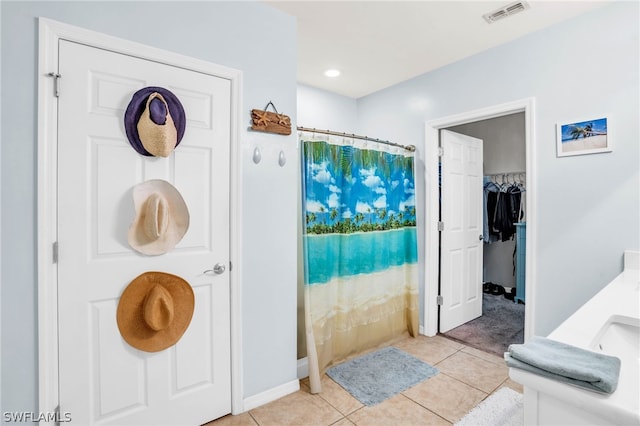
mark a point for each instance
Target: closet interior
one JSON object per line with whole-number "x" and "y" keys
{"x": 505, "y": 222}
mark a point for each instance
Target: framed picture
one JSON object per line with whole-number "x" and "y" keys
{"x": 583, "y": 137}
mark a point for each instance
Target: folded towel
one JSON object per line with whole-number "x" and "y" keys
{"x": 556, "y": 360}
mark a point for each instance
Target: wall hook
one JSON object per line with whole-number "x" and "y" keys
{"x": 257, "y": 156}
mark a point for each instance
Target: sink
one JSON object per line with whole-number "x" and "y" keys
{"x": 620, "y": 336}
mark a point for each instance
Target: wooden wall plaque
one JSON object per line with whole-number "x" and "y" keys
{"x": 270, "y": 122}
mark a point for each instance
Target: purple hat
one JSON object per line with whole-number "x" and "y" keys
{"x": 154, "y": 121}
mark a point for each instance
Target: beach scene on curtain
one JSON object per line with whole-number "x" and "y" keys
{"x": 360, "y": 246}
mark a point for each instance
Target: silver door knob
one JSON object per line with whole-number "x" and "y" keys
{"x": 219, "y": 268}
{"x": 481, "y": 237}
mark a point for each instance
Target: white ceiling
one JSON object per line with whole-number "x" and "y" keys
{"x": 376, "y": 44}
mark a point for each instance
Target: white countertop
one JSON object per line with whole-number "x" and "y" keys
{"x": 620, "y": 297}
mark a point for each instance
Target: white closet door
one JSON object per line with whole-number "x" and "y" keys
{"x": 461, "y": 244}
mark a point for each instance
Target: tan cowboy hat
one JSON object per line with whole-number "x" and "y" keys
{"x": 155, "y": 310}
{"x": 162, "y": 217}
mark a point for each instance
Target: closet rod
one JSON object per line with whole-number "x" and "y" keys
{"x": 410, "y": 148}
{"x": 507, "y": 173}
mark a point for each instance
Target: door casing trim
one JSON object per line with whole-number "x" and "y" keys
{"x": 50, "y": 32}
{"x": 432, "y": 134}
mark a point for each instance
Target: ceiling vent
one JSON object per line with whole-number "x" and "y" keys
{"x": 505, "y": 11}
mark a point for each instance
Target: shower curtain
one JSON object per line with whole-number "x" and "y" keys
{"x": 360, "y": 247}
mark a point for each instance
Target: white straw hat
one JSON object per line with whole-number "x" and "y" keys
{"x": 162, "y": 217}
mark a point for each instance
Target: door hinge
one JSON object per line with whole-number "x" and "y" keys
{"x": 439, "y": 300}
{"x": 56, "y": 83}
{"x": 440, "y": 151}
{"x": 55, "y": 252}
{"x": 440, "y": 226}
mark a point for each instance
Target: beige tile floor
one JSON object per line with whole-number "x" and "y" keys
{"x": 466, "y": 377}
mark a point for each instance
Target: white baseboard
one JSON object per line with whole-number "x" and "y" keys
{"x": 303, "y": 368}
{"x": 270, "y": 395}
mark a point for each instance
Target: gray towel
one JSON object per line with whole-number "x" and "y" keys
{"x": 566, "y": 363}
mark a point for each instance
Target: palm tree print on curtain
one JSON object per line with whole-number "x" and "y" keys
{"x": 360, "y": 244}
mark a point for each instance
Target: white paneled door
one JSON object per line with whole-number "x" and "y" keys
{"x": 461, "y": 244}
{"x": 103, "y": 380}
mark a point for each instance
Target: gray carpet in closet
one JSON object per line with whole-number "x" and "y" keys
{"x": 501, "y": 324}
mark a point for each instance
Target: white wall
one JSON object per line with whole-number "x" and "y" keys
{"x": 240, "y": 35}
{"x": 588, "y": 206}
{"x": 324, "y": 110}
{"x": 504, "y": 142}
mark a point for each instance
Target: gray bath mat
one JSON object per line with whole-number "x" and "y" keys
{"x": 379, "y": 375}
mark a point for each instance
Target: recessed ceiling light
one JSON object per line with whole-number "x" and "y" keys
{"x": 332, "y": 73}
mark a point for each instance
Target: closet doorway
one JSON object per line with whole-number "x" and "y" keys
{"x": 511, "y": 156}
{"x": 499, "y": 190}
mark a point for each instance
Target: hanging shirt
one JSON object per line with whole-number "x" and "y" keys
{"x": 491, "y": 191}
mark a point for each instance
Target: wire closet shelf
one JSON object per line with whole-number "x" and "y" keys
{"x": 410, "y": 148}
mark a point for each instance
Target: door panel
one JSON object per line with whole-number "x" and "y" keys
{"x": 103, "y": 380}
{"x": 461, "y": 247}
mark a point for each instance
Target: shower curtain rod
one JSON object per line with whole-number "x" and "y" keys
{"x": 410, "y": 148}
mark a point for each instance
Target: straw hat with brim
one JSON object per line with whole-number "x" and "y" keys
{"x": 162, "y": 217}
{"x": 154, "y": 121}
{"x": 155, "y": 310}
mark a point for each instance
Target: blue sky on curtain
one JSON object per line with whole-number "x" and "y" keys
{"x": 360, "y": 243}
